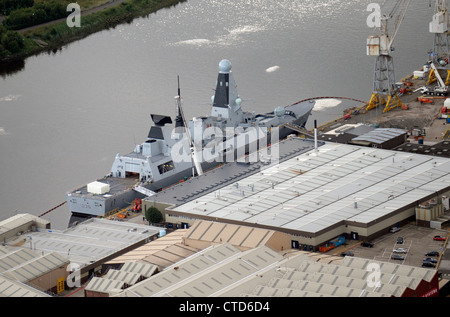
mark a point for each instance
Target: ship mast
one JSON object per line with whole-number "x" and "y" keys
{"x": 194, "y": 153}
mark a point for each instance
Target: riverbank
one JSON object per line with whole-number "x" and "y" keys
{"x": 54, "y": 35}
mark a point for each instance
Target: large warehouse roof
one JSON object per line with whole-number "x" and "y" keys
{"x": 19, "y": 266}
{"x": 89, "y": 241}
{"x": 223, "y": 270}
{"x": 317, "y": 189}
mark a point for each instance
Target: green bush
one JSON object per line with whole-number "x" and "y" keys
{"x": 6, "y": 6}
{"x": 11, "y": 42}
{"x": 37, "y": 14}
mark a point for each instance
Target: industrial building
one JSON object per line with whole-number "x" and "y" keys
{"x": 366, "y": 135}
{"x": 85, "y": 247}
{"x": 441, "y": 149}
{"x": 162, "y": 252}
{"x": 114, "y": 280}
{"x": 225, "y": 271}
{"x": 182, "y": 243}
{"x": 317, "y": 195}
{"x": 30, "y": 273}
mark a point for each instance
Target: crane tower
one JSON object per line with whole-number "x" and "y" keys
{"x": 440, "y": 28}
{"x": 380, "y": 45}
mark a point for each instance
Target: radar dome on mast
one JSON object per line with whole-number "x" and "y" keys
{"x": 225, "y": 66}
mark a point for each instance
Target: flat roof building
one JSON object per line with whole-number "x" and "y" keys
{"x": 86, "y": 245}
{"x": 320, "y": 194}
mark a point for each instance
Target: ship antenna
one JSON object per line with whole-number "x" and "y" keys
{"x": 194, "y": 154}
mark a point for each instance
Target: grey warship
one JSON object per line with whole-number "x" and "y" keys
{"x": 175, "y": 151}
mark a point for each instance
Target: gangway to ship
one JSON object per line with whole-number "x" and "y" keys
{"x": 143, "y": 190}
{"x": 300, "y": 130}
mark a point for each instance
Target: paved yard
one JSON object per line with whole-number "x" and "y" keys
{"x": 416, "y": 240}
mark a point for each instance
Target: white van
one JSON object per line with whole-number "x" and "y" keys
{"x": 394, "y": 229}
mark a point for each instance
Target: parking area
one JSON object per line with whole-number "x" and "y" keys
{"x": 417, "y": 241}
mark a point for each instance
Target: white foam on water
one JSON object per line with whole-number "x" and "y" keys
{"x": 272, "y": 69}
{"x": 10, "y": 98}
{"x": 325, "y": 104}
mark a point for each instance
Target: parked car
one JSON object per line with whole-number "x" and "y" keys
{"x": 430, "y": 260}
{"x": 394, "y": 229}
{"x": 397, "y": 257}
{"x": 400, "y": 250}
{"x": 399, "y": 240}
{"x": 367, "y": 244}
{"x": 432, "y": 253}
{"x": 438, "y": 238}
{"x": 428, "y": 264}
{"x": 347, "y": 253}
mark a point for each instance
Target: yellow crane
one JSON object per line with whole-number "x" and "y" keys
{"x": 380, "y": 45}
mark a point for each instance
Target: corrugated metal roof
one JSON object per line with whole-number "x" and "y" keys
{"x": 315, "y": 190}
{"x": 240, "y": 236}
{"x": 36, "y": 267}
{"x": 159, "y": 253}
{"x": 128, "y": 278}
{"x": 380, "y": 135}
{"x": 89, "y": 241}
{"x": 300, "y": 276}
{"x": 207, "y": 272}
{"x": 103, "y": 285}
{"x": 143, "y": 269}
{"x": 14, "y": 258}
{"x": 12, "y": 288}
{"x": 19, "y": 220}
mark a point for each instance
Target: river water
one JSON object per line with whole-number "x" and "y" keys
{"x": 65, "y": 115}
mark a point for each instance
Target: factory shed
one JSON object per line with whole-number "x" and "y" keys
{"x": 89, "y": 244}
{"x": 382, "y": 138}
{"x": 19, "y": 224}
{"x": 336, "y": 189}
{"x": 144, "y": 270}
{"x": 12, "y": 288}
{"x": 225, "y": 271}
{"x": 161, "y": 252}
{"x": 102, "y": 287}
{"x": 205, "y": 233}
{"x": 302, "y": 276}
{"x": 26, "y": 267}
{"x": 366, "y": 135}
{"x": 344, "y": 134}
{"x": 115, "y": 280}
{"x": 206, "y": 272}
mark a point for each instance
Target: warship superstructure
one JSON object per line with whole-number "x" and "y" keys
{"x": 175, "y": 151}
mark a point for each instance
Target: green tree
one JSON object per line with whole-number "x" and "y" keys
{"x": 12, "y": 41}
{"x": 3, "y": 52}
{"x": 153, "y": 215}
{"x": 6, "y": 6}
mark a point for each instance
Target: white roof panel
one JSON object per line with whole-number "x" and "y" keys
{"x": 320, "y": 188}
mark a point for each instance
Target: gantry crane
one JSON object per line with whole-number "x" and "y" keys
{"x": 384, "y": 89}
{"x": 440, "y": 53}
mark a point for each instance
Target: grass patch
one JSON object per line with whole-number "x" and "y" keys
{"x": 58, "y": 34}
